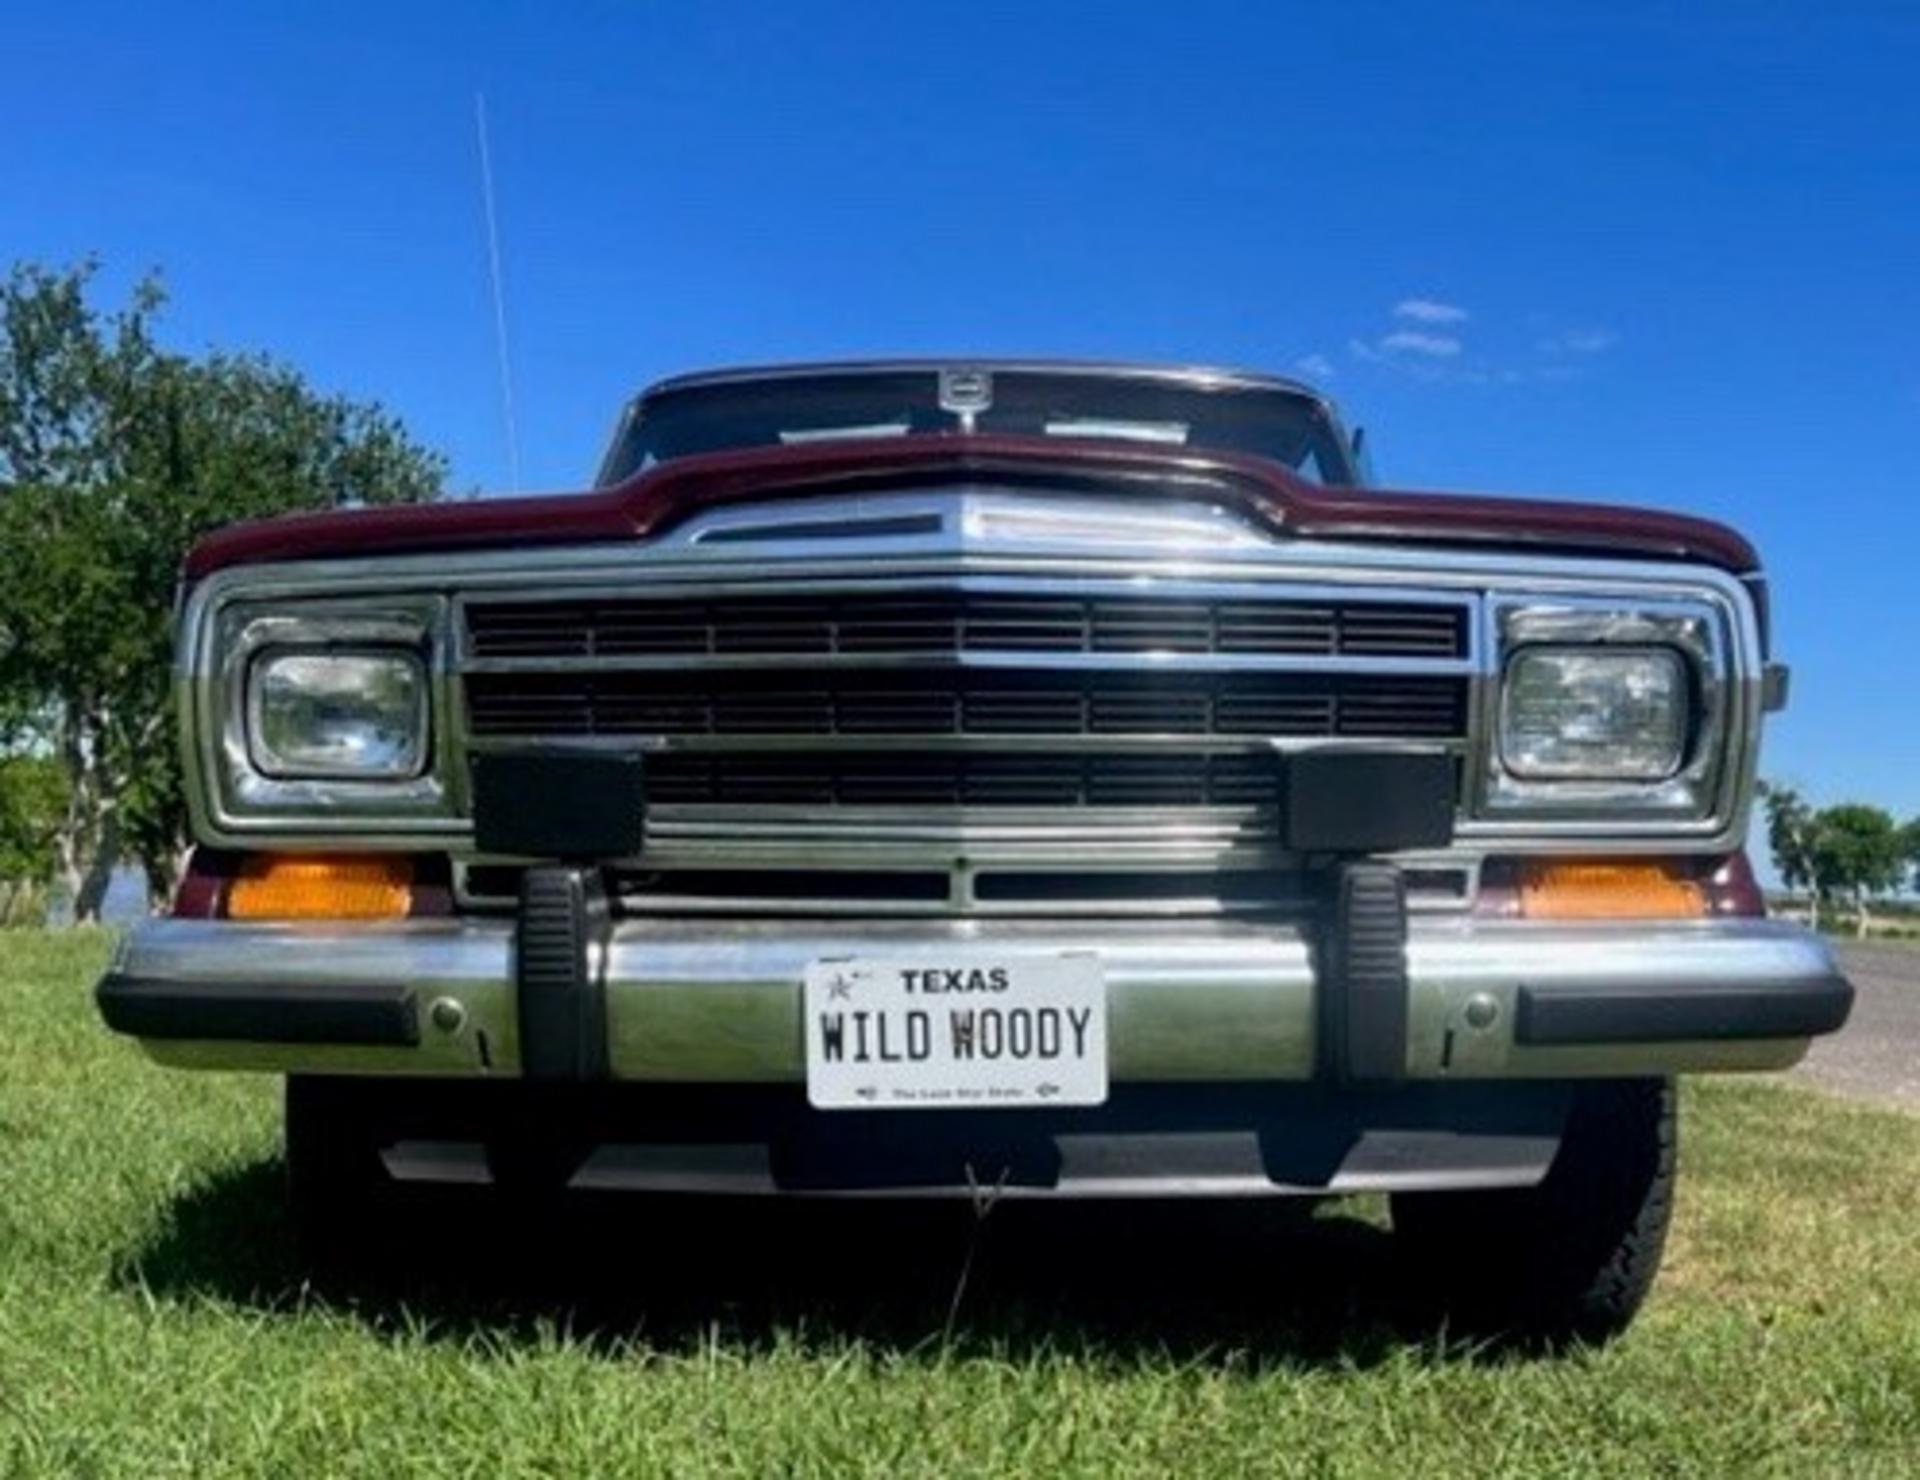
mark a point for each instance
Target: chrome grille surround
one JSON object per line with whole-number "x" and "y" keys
{"x": 1004, "y": 545}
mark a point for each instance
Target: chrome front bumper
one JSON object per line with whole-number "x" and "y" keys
{"x": 711, "y": 1001}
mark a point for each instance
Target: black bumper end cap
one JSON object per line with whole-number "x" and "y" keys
{"x": 308, "y": 1013}
{"x": 1566, "y": 1016}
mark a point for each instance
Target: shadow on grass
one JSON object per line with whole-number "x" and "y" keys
{"x": 1261, "y": 1284}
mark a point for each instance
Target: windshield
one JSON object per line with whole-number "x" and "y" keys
{"x": 1289, "y": 427}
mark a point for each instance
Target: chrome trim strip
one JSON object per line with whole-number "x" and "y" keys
{"x": 917, "y": 744}
{"x": 963, "y": 866}
{"x": 1203, "y": 1000}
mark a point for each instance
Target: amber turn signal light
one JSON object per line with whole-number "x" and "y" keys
{"x": 1608, "y": 891}
{"x": 278, "y": 886}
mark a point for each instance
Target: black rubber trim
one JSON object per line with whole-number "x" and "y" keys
{"x": 546, "y": 804}
{"x": 1369, "y": 801}
{"x": 562, "y": 1003}
{"x": 302, "y": 1013}
{"x": 1364, "y": 976}
{"x": 1669, "y": 1014}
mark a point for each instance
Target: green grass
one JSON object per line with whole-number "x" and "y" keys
{"x": 152, "y": 1320}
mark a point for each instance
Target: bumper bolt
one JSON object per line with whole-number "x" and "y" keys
{"x": 1482, "y": 1010}
{"x": 447, "y": 1014}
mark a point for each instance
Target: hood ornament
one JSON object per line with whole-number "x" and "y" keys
{"x": 965, "y": 392}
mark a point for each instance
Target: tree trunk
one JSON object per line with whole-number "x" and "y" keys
{"x": 1861, "y": 921}
{"x": 69, "y": 863}
{"x": 163, "y": 876}
{"x": 87, "y": 847}
{"x": 70, "y": 843}
{"x": 92, "y": 893}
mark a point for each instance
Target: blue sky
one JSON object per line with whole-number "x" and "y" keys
{"x": 1664, "y": 254}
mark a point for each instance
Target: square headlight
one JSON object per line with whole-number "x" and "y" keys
{"x": 325, "y": 715}
{"x": 1594, "y": 714}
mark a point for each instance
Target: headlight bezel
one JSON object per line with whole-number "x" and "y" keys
{"x": 225, "y": 778}
{"x": 1696, "y": 632}
{"x": 272, "y": 762}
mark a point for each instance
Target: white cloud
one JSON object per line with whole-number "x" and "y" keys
{"x": 1413, "y": 342}
{"x": 1318, "y": 367}
{"x": 1423, "y": 340}
{"x": 1590, "y": 341}
{"x": 1429, "y": 311}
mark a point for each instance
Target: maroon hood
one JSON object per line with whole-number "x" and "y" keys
{"x": 661, "y": 497}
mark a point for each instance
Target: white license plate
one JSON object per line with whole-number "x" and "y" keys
{"x": 923, "y": 1033}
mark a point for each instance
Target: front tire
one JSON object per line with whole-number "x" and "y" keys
{"x": 1574, "y": 1257}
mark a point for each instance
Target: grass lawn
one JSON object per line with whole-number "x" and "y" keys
{"x": 152, "y": 1320}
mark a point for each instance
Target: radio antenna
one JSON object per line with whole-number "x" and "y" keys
{"x": 499, "y": 292}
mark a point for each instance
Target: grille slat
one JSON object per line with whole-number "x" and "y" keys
{"x": 812, "y": 705}
{"x": 960, "y": 622}
{"x": 889, "y": 780}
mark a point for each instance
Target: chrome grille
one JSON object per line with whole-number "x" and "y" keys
{"x": 961, "y": 742}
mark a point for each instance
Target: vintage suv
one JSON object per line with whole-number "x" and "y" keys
{"x": 1066, "y": 780}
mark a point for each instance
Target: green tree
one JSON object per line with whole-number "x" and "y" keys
{"x": 115, "y": 455}
{"x": 1790, "y": 834}
{"x": 1860, "y": 850}
{"x": 32, "y": 803}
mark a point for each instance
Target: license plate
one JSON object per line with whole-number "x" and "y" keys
{"x": 929, "y": 1034}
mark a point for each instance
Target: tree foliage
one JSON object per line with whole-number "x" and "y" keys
{"x": 1850, "y": 850}
{"x": 115, "y": 455}
{"x": 1864, "y": 850}
{"x": 33, "y": 800}
{"x": 1790, "y": 834}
